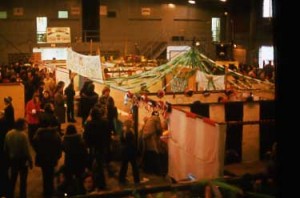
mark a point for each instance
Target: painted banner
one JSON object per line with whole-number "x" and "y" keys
{"x": 209, "y": 81}
{"x": 58, "y": 35}
{"x": 196, "y": 147}
{"x": 87, "y": 66}
{"x": 62, "y": 74}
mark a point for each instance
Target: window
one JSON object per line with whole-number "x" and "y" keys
{"x": 63, "y": 14}
{"x": 41, "y": 29}
{"x": 267, "y": 9}
{"x": 3, "y": 15}
{"x": 216, "y": 29}
{"x": 266, "y": 54}
{"x": 50, "y": 53}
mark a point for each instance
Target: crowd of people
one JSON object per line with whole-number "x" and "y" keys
{"x": 87, "y": 153}
{"x": 266, "y": 73}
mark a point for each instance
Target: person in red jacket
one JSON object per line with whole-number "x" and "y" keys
{"x": 32, "y": 110}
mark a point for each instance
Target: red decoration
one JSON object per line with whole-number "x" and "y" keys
{"x": 160, "y": 105}
{"x": 160, "y": 93}
{"x": 191, "y": 115}
{"x": 144, "y": 98}
{"x": 209, "y": 121}
{"x": 129, "y": 94}
{"x": 188, "y": 92}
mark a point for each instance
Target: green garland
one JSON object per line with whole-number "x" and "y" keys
{"x": 192, "y": 60}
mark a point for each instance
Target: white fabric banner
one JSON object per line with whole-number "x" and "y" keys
{"x": 195, "y": 147}
{"x": 209, "y": 81}
{"x": 87, "y": 66}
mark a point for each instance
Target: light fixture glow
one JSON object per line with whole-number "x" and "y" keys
{"x": 223, "y": 0}
{"x": 192, "y": 2}
{"x": 171, "y": 5}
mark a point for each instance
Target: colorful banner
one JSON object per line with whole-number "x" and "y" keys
{"x": 87, "y": 66}
{"x": 58, "y": 35}
{"x": 209, "y": 81}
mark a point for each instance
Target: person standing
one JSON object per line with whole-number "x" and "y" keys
{"x": 48, "y": 147}
{"x": 48, "y": 114}
{"x": 16, "y": 147}
{"x": 152, "y": 131}
{"x": 70, "y": 94}
{"x": 9, "y": 113}
{"x": 88, "y": 100}
{"x": 103, "y": 99}
{"x": 46, "y": 98}
{"x": 59, "y": 102}
{"x": 75, "y": 155}
{"x": 33, "y": 109}
{"x": 7, "y": 120}
{"x": 112, "y": 117}
{"x": 3, "y": 158}
{"x": 94, "y": 135}
{"x": 129, "y": 153}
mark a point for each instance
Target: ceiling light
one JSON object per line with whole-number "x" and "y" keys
{"x": 171, "y": 5}
{"x": 192, "y": 2}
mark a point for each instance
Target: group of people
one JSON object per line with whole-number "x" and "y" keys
{"x": 40, "y": 128}
{"x": 87, "y": 155}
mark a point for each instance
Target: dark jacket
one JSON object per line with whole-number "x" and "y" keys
{"x": 112, "y": 116}
{"x": 75, "y": 152}
{"x": 49, "y": 119}
{"x": 128, "y": 145}
{"x": 70, "y": 93}
{"x": 9, "y": 117}
{"x": 87, "y": 102}
{"x": 48, "y": 146}
{"x": 95, "y": 134}
{"x": 59, "y": 109}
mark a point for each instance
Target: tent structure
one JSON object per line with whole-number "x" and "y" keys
{"x": 186, "y": 65}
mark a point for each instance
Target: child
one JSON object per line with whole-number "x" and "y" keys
{"x": 129, "y": 153}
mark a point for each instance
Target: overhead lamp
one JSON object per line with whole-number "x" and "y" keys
{"x": 223, "y": 0}
{"x": 171, "y": 5}
{"x": 192, "y": 2}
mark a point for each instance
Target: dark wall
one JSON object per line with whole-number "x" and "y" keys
{"x": 125, "y": 29}
{"x": 90, "y": 20}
